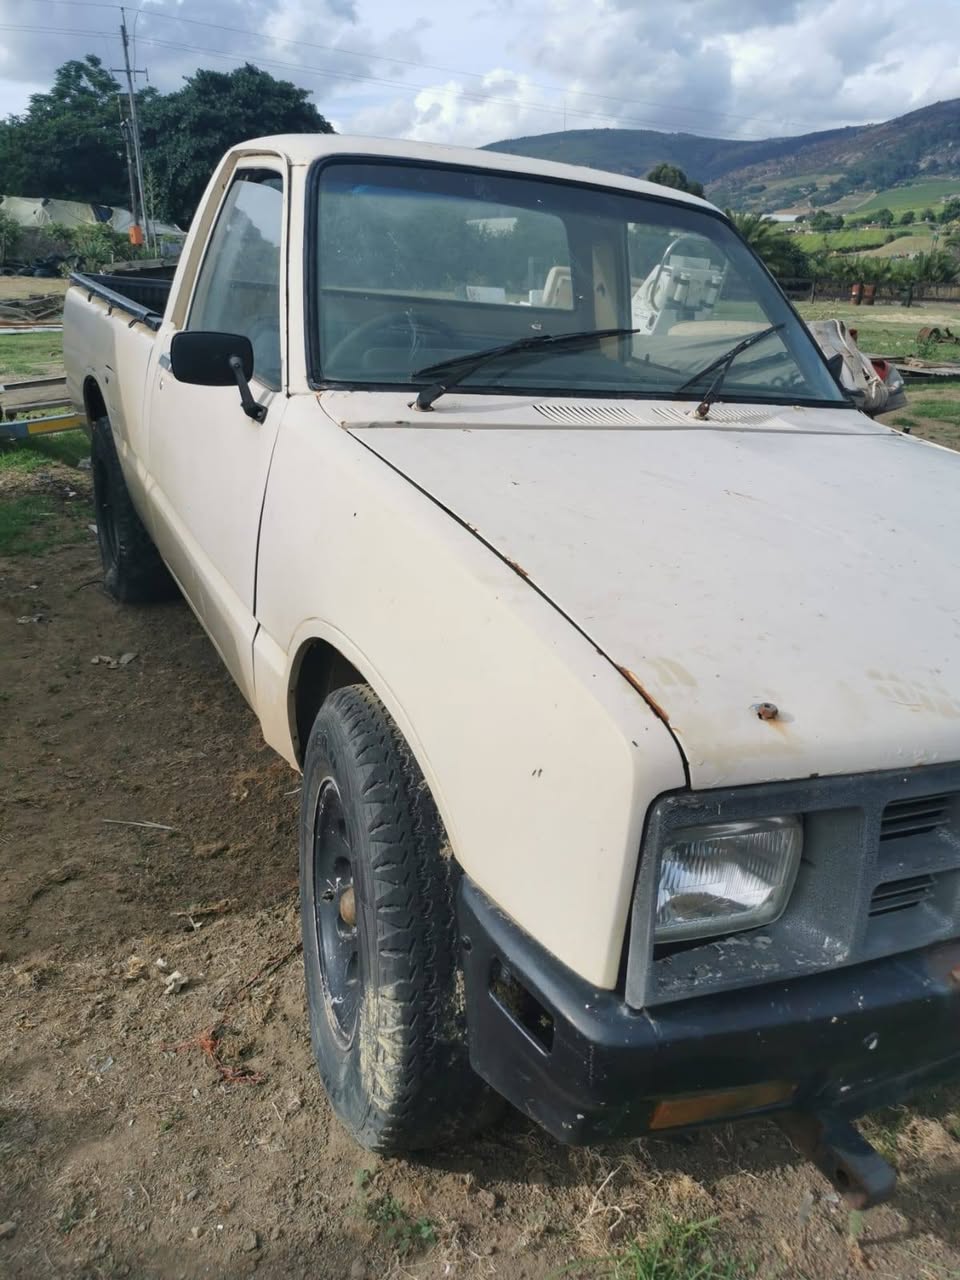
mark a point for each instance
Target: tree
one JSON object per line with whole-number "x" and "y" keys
{"x": 883, "y": 218}
{"x": 781, "y": 252}
{"x": 9, "y": 235}
{"x": 950, "y": 211}
{"x": 68, "y": 142}
{"x": 824, "y": 221}
{"x": 186, "y": 133}
{"x": 668, "y": 175}
{"x": 907, "y": 217}
{"x": 928, "y": 215}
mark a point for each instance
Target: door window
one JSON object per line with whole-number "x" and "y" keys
{"x": 238, "y": 289}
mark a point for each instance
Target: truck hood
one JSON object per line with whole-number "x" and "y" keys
{"x": 807, "y": 558}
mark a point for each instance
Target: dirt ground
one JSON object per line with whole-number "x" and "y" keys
{"x": 126, "y": 1151}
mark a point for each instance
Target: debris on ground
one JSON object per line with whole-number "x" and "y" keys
{"x": 105, "y": 660}
{"x": 18, "y": 312}
{"x": 175, "y": 982}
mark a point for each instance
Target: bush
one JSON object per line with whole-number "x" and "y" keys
{"x": 9, "y": 237}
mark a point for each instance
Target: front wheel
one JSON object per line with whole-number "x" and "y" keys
{"x": 377, "y": 887}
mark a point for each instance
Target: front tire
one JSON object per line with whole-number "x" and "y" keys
{"x": 380, "y": 945}
{"x": 133, "y": 572}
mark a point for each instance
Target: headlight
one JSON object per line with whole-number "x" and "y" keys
{"x": 725, "y": 877}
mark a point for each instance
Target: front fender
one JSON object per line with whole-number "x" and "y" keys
{"x": 541, "y": 758}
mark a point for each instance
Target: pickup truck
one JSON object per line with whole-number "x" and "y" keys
{"x": 619, "y": 651}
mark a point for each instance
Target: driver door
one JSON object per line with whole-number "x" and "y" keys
{"x": 209, "y": 461}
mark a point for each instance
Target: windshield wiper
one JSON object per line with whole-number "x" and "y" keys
{"x": 450, "y": 372}
{"x": 722, "y": 365}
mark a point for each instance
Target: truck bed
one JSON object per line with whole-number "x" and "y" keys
{"x": 145, "y": 299}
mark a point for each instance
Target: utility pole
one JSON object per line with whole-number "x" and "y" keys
{"x": 131, "y": 172}
{"x": 135, "y": 130}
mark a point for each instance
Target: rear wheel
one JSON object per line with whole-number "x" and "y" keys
{"x": 379, "y": 936}
{"x": 132, "y": 569}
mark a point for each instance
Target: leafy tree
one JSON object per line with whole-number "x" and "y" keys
{"x": 950, "y": 211}
{"x": 186, "y": 133}
{"x": 781, "y": 252}
{"x": 935, "y": 267}
{"x": 668, "y": 175}
{"x": 68, "y": 142}
{"x": 824, "y": 221}
{"x": 9, "y": 235}
{"x": 928, "y": 215}
{"x": 907, "y": 217}
{"x": 883, "y": 218}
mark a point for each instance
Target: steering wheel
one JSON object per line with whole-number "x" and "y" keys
{"x": 398, "y": 325}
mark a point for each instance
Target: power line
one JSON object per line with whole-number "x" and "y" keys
{"x": 428, "y": 66}
{"x": 462, "y": 94}
{"x": 356, "y": 77}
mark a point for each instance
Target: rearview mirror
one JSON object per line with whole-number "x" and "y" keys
{"x": 203, "y": 359}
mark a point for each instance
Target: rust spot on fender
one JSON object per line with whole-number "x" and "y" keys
{"x": 517, "y": 568}
{"x": 648, "y": 698}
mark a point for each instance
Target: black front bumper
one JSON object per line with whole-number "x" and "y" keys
{"x": 588, "y": 1068}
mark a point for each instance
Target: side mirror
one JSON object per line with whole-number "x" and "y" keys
{"x": 835, "y": 365}
{"x": 203, "y": 359}
{"x": 216, "y": 360}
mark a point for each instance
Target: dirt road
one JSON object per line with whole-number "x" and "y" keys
{"x": 126, "y": 1150}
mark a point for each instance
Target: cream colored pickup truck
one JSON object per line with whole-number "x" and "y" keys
{"x": 619, "y": 652}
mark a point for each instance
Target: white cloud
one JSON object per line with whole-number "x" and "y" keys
{"x": 735, "y": 68}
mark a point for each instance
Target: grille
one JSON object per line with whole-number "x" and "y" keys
{"x": 916, "y": 817}
{"x": 897, "y": 895}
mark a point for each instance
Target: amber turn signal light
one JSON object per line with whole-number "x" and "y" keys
{"x": 695, "y": 1108}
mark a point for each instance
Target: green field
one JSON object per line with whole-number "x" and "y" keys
{"x": 886, "y": 329}
{"x": 867, "y": 236}
{"x": 30, "y": 355}
{"x": 913, "y": 195}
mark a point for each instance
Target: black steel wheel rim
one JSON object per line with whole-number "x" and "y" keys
{"x": 335, "y": 916}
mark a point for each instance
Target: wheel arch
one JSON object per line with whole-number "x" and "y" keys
{"x": 323, "y": 664}
{"x": 318, "y": 668}
{"x": 94, "y": 404}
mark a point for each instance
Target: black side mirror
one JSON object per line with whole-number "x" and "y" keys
{"x": 835, "y": 365}
{"x": 216, "y": 360}
{"x": 203, "y": 359}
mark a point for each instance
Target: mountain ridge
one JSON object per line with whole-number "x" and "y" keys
{"x": 812, "y": 169}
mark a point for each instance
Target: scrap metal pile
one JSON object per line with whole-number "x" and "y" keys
{"x": 37, "y": 309}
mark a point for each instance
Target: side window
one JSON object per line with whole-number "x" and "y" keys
{"x": 238, "y": 288}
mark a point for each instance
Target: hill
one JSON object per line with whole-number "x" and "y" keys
{"x": 838, "y": 167}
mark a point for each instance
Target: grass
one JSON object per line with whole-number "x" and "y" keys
{"x": 33, "y": 523}
{"x": 30, "y": 355}
{"x": 69, "y": 447}
{"x": 878, "y": 331}
{"x": 671, "y": 1250}
{"x": 394, "y": 1225}
{"x": 942, "y": 410}
{"x": 846, "y": 239}
{"x": 913, "y": 195}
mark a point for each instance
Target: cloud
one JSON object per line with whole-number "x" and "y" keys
{"x": 497, "y": 68}
{"x": 323, "y": 45}
{"x": 730, "y": 68}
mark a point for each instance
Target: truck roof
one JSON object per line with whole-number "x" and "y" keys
{"x": 305, "y": 148}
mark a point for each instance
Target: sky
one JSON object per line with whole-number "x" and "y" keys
{"x": 470, "y": 72}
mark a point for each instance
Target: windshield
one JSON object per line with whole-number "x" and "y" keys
{"x": 416, "y": 265}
